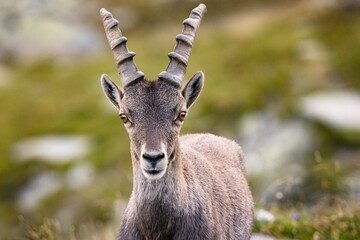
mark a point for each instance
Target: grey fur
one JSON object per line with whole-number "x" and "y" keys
{"x": 199, "y": 190}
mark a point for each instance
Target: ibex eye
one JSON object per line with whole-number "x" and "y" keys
{"x": 182, "y": 116}
{"x": 124, "y": 118}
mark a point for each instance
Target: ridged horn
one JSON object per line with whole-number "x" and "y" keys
{"x": 124, "y": 59}
{"x": 179, "y": 58}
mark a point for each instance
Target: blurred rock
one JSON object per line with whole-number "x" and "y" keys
{"x": 263, "y": 215}
{"x": 39, "y": 188}
{"x": 52, "y": 148}
{"x": 349, "y": 159}
{"x": 269, "y": 143}
{"x": 80, "y": 176}
{"x": 274, "y": 151}
{"x": 32, "y": 29}
{"x": 352, "y": 182}
{"x": 338, "y": 109}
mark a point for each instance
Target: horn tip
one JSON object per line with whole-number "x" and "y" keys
{"x": 202, "y": 5}
{"x": 104, "y": 12}
{"x": 199, "y": 11}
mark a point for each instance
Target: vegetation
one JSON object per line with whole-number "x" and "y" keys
{"x": 251, "y": 62}
{"x": 341, "y": 221}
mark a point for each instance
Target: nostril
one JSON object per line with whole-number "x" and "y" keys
{"x": 153, "y": 157}
{"x": 160, "y": 155}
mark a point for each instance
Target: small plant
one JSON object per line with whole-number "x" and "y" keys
{"x": 50, "y": 229}
{"x": 53, "y": 229}
{"x": 342, "y": 221}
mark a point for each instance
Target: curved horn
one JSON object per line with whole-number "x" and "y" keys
{"x": 123, "y": 58}
{"x": 179, "y": 58}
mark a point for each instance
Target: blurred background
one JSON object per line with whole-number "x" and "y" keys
{"x": 282, "y": 79}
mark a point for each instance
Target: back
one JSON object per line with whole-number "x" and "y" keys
{"x": 219, "y": 151}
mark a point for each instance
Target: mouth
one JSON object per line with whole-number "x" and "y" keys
{"x": 153, "y": 172}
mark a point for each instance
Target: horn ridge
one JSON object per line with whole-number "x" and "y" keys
{"x": 115, "y": 43}
{"x": 123, "y": 58}
{"x": 179, "y": 58}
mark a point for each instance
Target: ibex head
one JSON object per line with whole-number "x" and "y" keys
{"x": 153, "y": 111}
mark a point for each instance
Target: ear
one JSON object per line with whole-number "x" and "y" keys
{"x": 193, "y": 88}
{"x": 113, "y": 93}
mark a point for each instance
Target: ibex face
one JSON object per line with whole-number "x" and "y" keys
{"x": 153, "y": 111}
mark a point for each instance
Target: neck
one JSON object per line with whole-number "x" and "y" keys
{"x": 158, "y": 201}
{"x": 170, "y": 186}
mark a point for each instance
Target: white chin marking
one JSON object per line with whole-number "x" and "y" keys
{"x": 153, "y": 175}
{"x": 157, "y": 171}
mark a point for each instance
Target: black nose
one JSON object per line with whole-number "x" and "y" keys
{"x": 153, "y": 158}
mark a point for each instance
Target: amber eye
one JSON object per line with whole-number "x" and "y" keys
{"x": 182, "y": 116}
{"x": 123, "y": 118}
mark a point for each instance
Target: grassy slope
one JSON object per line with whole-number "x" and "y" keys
{"x": 243, "y": 73}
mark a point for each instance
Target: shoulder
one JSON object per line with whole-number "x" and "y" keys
{"x": 208, "y": 142}
{"x": 207, "y": 148}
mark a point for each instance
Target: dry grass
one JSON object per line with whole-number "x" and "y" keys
{"x": 341, "y": 221}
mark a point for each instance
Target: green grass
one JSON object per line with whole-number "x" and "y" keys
{"x": 341, "y": 221}
{"x": 243, "y": 74}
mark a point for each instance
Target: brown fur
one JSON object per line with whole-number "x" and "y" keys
{"x": 203, "y": 194}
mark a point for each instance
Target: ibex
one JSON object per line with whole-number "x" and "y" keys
{"x": 190, "y": 187}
